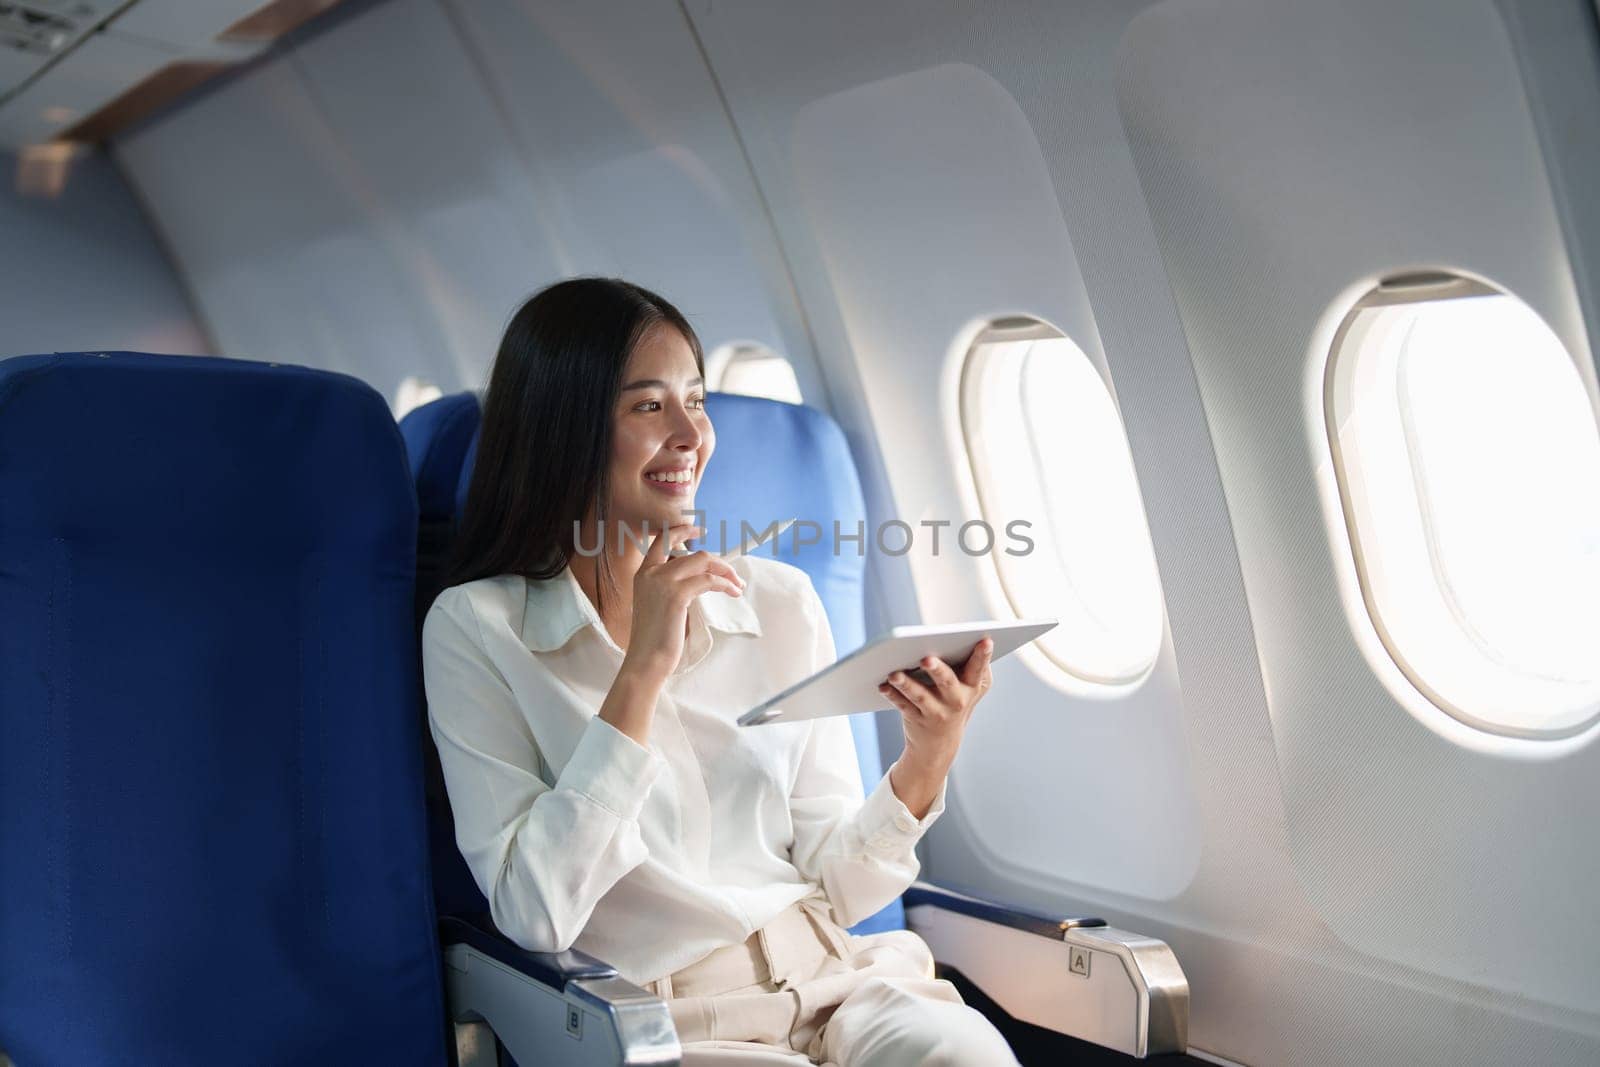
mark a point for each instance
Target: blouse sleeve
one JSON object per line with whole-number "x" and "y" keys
{"x": 543, "y": 852}
{"x": 862, "y": 851}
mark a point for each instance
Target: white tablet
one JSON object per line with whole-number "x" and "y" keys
{"x": 851, "y": 684}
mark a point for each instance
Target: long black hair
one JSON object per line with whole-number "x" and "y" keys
{"x": 545, "y": 444}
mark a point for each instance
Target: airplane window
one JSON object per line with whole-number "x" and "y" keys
{"x": 1467, "y": 454}
{"x": 751, "y": 369}
{"x": 413, "y": 393}
{"x": 1048, "y": 448}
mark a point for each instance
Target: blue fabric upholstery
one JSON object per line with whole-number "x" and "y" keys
{"x": 464, "y": 481}
{"x": 777, "y": 461}
{"x": 437, "y": 437}
{"x": 211, "y": 830}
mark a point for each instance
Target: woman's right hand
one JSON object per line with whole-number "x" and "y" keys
{"x": 662, "y": 589}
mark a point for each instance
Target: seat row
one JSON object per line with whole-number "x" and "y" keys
{"x": 216, "y": 840}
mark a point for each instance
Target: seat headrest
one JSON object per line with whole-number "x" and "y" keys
{"x": 777, "y": 461}
{"x": 222, "y": 457}
{"x": 437, "y": 435}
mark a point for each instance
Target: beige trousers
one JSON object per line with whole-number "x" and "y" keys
{"x": 804, "y": 990}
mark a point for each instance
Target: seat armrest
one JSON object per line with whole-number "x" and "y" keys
{"x": 563, "y": 1007}
{"x": 1033, "y": 922}
{"x": 1076, "y": 976}
{"x": 554, "y": 969}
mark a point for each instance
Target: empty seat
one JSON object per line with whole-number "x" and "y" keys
{"x": 210, "y": 778}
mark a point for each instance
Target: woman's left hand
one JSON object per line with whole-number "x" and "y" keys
{"x": 935, "y": 716}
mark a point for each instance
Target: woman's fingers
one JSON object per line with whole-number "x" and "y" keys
{"x": 950, "y": 692}
{"x": 703, "y": 562}
{"x": 977, "y": 664}
{"x": 894, "y": 697}
{"x": 913, "y": 690}
{"x": 701, "y": 583}
{"x": 940, "y": 672}
{"x": 667, "y": 540}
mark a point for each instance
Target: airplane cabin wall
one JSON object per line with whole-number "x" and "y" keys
{"x": 83, "y": 269}
{"x": 1173, "y": 184}
{"x": 1415, "y": 948}
{"x": 378, "y": 197}
{"x": 1409, "y": 841}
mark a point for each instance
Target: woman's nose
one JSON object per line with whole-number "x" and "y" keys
{"x": 685, "y": 432}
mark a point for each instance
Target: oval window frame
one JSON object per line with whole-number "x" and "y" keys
{"x": 969, "y": 383}
{"x": 1400, "y": 289}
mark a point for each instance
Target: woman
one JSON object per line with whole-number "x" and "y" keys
{"x": 582, "y": 690}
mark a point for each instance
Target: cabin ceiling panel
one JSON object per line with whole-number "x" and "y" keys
{"x": 96, "y": 72}
{"x": 185, "y": 24}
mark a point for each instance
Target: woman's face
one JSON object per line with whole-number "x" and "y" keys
{"x": 661, "y": 435}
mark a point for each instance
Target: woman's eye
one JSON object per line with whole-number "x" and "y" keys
{"x": 655, "y": 405}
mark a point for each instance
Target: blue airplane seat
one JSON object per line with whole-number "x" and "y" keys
{"x": 210, "y": 780}
{"x": 437, "y": 436}
{"x": 464, "y": 476}
{"x": 776, "y": 461}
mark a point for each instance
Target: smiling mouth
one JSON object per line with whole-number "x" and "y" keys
{"x": 676, "y": 483}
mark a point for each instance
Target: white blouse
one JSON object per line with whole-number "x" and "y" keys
{"x": 652, "y": 857}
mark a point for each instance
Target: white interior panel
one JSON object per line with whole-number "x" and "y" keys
{"x": 404, "y": 179}
{"x": 278, "y": 233}
{"x": 630, "y": 146}
{"x": 939, "y": 168}
{"x": 83, "y": 270}
{"x": 1395, "y": 136}
{"x": 446, "y": 198}
{"x": 1273, "y": 982}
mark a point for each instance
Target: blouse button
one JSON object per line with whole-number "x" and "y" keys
{"x": 905, "y": 822}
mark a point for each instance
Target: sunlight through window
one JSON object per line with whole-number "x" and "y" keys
{"x": 1047, "y": 446}
{"x": 412, "y": 393}
{"x": 750, "y": 369}
{"x": 1468, "y": 459}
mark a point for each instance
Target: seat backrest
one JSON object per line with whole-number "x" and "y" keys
{"x": 211, "y": 830}
{"x": 438, "y": 435}
{"x": 776, "y": 461}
